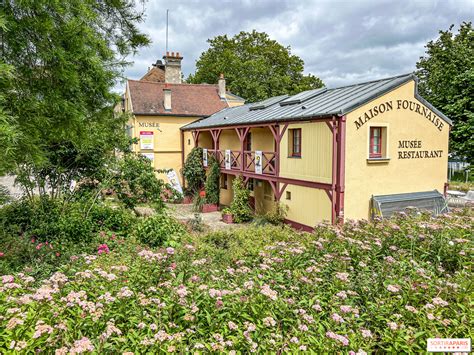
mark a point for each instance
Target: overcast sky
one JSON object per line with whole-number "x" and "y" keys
{"x": 341, "y": 42}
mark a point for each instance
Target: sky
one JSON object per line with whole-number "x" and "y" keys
{"x": 341, "y": 42}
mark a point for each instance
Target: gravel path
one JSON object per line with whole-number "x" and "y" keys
{"x": 184, "y": 213}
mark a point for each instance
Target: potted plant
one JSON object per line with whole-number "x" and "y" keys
{"x": 227, "y": 216}
{"x": 212, "y": 188}
{"x": 188, "y": 196}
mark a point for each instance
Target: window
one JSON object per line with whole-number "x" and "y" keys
{"x": 248, "y": 142}
{"x": 224, "y": 181}
{"x": 294, "y": 143}
{"x": 288, "y": 195}
{"x": 375, "y": 145}
{"x": 189, "y": 141}
{"x": 250, "y": 185}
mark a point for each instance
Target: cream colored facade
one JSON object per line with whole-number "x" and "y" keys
{"x": 170, "y": 147}
{"x": 396, "y": 174}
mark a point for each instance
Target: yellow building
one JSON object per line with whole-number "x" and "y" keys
{"x": 332, "y": 154}
{"x": 160, "y": 104}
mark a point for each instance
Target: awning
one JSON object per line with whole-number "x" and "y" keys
{"x": 386, "y": 205}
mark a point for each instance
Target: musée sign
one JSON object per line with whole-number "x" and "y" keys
{"x": 400, "y": 105}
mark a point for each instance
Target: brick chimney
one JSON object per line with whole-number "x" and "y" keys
{"x": 172, "y": 67}
{"x": 221, "y": 84}
{"x": 167, "y": 98}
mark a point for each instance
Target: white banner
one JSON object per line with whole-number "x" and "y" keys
{"x": 146, "y": 140}
{"x": 258, "y": 162}
{"x": 228, "y": 158}
{"x": 174, "y": 181}
{"x": 204, "y": 157}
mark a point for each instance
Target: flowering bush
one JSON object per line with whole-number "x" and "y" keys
{"x": 365, "y": 287}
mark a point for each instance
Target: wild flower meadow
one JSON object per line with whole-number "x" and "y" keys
{"x": 361, "y": 288}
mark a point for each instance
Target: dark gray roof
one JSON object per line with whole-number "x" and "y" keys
{"x": 308, "y": 104}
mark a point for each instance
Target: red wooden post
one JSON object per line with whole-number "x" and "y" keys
{"x": 334, "y": 170}
{"x": 196, "y": 137}
{"x": 242, "y": 134}
{"x": 341, "y": 162}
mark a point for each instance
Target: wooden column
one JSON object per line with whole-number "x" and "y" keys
{"x": 242, "y": 134}
{"x": 341, "y": 162}
{"x": 333, "y": 126}
{"x": 196, "y": 137}
{"x": 277, "y": 137}
{"x": 215, "y": 133}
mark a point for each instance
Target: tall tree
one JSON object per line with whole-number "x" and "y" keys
{"x": 66, "y": 57}
{"x": 8, "y": 131}
{"x": 255, "y": 66}
{"x": 446, "y": 76}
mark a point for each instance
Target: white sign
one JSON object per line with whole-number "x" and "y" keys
{"x": 150, "y": 156}
{"x": 146, "y": 140}
{"x": 258, "y": 162}
{"x": 448, "y": 345}
{"x": 174, "y": 181}
{"x": 228, "y": 159}
{"x": 204, "y": 157}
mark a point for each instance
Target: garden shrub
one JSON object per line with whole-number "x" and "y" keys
{"x": 240, "y": 206}
{"x": 159, "y": 230}
{"x": 277, "y": 214}
{"x": 361, "y": 288}
{"x": 41, "y": 233}
{"x": 193, "y": 170}
{"x": 116, "y": 219}
{"x": 212, "y": 185}
{"x": 136, "y": 182}
{"x": 4, "y": 195}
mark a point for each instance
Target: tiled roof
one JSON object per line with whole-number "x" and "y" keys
{"x": 186, "y": 99}
{"x": 308, "y": 104}
{"x": 155, "y": 74}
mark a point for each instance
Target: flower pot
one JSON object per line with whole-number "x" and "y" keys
{"x": 209, "y": 207}
{"x": 227, "y": 218}
{"x": 187, "y": 200}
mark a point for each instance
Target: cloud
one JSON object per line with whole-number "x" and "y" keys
{"x": 341, "y": 42}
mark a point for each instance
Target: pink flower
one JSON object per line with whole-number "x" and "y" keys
{"x": 81, "y": 346}
{"x": 411, "y": 309}
{"x": 269, "y": 322}
{"x": 38, "y": 247}
{"x": 232, "y": 326}
{"x": 344, "y": 340}
{"x": 2, "y": 254}
{"x": 439, "y": 302}
{"x": 343, "y": 276}
{"x": 103, "y": 248}
{"x": 393, "y": 288}
{"x": 7, "y": 279}
{"x": 366, "y": 333}
{"x": 170, "y": 251}
{"x": 392, "y": 325}
{"x": 337, "y": 318}
{"x": 267, "y": 291}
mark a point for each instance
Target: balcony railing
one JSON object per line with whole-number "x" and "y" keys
{"x": 247, "y": 161}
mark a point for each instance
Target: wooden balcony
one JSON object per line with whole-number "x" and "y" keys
{"x": 246, "y": 162}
